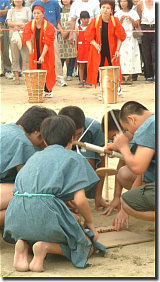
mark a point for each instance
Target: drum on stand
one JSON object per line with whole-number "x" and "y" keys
{"x": 109, "y": 79}
{"x": 35, "y": 82}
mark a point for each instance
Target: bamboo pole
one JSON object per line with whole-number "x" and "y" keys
{"x": 105, "y": 99}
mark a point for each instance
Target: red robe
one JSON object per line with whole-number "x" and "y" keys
{"x": 46, "y": 37}
{"x": 94, "y": 59}
{"x": 83, "y": 46}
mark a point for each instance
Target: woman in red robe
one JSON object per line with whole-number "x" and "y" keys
{"x": 105, "y": 34}
{"x": 39, "y": 37}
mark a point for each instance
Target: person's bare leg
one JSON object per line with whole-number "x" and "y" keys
{"x": 81, "y": 72}
{"x": 92, "y": 248}
{"x": 99, "y": 201}
{"x": 147, "y": 215}
{"x": 40, "y": 250}
{"x": 2, "y": 217}
{"x": 21, "y": 256}
{"x": 6, "y": 194}
{"x": 16, "y": 74}
{"x": 125, "y": 177}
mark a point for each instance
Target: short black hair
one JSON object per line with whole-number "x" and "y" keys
{"x": 131, "y": 108}
{"x": 23, "y": 4}
{"x": 111, "y": 2}
{"x": 33, "y": 117}
{"x": 130, "y": 4}
{"x": 58, "y": 130}
{"x": 76, "y": 114}
{"x": 84, "y": 15}
{"x": 111, "y": 123}
{"x": 71, "y": 1}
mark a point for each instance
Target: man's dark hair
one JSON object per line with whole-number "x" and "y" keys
{"x": 111, "y": 2}
{"x": 76, "y": 114}
{"x": 33, "y": 117}
{"x": 111, "y": 122}
{"x": 131, "y": 108}
{"x": 130, "y": 4}
{"x": 58, "y": 130}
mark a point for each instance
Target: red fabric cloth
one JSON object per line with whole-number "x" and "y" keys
{"x": 38, "y": 8}
{"x": 94, "y": 59}
{"x": 83, "y": 47}
{"x": 46, "y": 37}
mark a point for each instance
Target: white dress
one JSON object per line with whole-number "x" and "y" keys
{"x": 129, "y": 53}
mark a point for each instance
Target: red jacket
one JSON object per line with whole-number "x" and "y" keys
{"x": 93, "y": 32}
{"x": 47, "y": 37}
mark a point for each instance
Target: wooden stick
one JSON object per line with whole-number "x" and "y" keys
{"x": 98, "y": 149}
{"x": 105, "y": 97}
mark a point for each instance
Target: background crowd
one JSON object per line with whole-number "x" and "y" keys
{"x": 137, "y": 54}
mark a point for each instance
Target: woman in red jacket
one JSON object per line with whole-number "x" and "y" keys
{"x": 105, "y": 34}
{"x": 39, "y": 37}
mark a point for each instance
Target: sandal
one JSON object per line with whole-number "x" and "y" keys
{"x": 88, "y": 85}
{"x": 17, "y": 81}
{"x": 81, "y": 85}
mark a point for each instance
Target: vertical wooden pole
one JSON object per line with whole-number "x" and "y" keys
{"x": 105, "y": 99}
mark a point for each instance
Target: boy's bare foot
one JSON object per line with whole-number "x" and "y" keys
{"x": 39, "y": 252}
{"x": 21, "y": 256}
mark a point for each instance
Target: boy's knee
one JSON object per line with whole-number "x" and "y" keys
{"x": 125, "y": 177}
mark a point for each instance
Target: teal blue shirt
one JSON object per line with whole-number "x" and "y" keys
{"x": 61, "y": 173}
{"x": 145, "y": 136}
{"x": 15, "y": 149}
{"x": 94, "y": 136}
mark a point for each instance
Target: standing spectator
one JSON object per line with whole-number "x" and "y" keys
{"x": 82, "y": 46}
{"x": 17, "y": 17}
{"x": 129, "y": 53}
{"x": 52, "y": 14}
{"x": 146, "y": 11}
{"x": 105, "y": 34}
{"x": 91, "y": 6}
{"x": 117, "y": 8}
{"x": 28, "y": 3}
{"x": 39, "y": 37}
{"x": 135, "y": 75}
{"x": 66, "y": 50}
{"x": 4, "y": 39}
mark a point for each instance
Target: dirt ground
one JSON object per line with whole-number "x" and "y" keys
{"x": 137, "y": 260}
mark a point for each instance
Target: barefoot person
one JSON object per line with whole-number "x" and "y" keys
{"x": 124, "y": 178}
{"x": 37, "y": 214}
{"x": 139, "y": 121}
{"x": 95, "y": 136}
{"x": 18, "y": 141}
{"x": 140, "y": 202}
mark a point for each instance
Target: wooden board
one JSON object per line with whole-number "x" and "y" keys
{"x": 115, "y": 238}
{"x": 103, "y": 171}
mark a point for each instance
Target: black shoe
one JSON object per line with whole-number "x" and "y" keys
{"x": 128, "y": 82}
{"x": 134, "y": 78}
{"x": 149, "y": 80}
